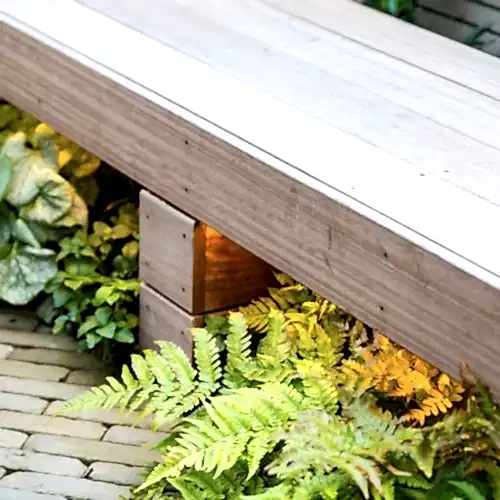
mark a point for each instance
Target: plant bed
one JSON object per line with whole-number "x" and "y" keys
{"x": 292, "y": 398}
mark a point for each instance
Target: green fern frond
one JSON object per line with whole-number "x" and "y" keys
{"x": 280, "y": 492}
{"x": 206, "y": 355}
{"x": 257, "y": 312}
{"x": 203, "y": 486}
{"x": 238, "y": 343}
{"x": 215, "y": 441}
{"x": 179, "y": 363}
{"x": 257, "y": 448}
{"x": 319, "y": 386}
{"x": 327, "y": 486}
{"x": 275, "y": 342}
{"x": 107, "y": 396}
{"x": 164, "y": 384}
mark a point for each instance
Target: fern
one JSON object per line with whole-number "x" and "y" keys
{"x": 326, "y": 443}
{"x": 276, "y": 417}
{"x": 316, "y": 328}
{"x": 402, "y": 377}
{"x": 161, "y": 383}
{"x": 231, "y": 423}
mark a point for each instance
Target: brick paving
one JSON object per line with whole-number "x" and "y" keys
{"x": 88, "y": 456}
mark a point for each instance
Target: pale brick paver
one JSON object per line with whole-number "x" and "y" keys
{"x": 85, "y": 377}
{"x": 116, "y": 473}
{"x": 10, "y": 494}
{"x": 17, "y": 319}
{"x": 23, "y": 369}
{"x": 128, "y": 435}
{"x": 49, "y": 455}
{"x": 44, "y": 329}
{"x": 23, "y": 460}
{"x": 36, "y": 339}
{"x": 5, "y": 350}
{"x": 91, "y": 450}
{"x": 41, "y": 388}
{"x": 19, "y": 402}
{"x": 50, "y": 425}
{"x": 111, "y": 417}
{"x": 56, "y": 357}
{"x": 77, "y": 488}
{"x": 12, "y": 439}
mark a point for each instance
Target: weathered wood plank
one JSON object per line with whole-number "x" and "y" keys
{"x": 161, "y": 319}
{"x": 194, "y": 265}
{"x": 409, "y": 44}
{"x": 436, "y": 127}
{"x": 168, "y": 239}
{"x": 264, "y": 192}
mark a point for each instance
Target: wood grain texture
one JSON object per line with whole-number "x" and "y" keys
{"x": 364, "y": 147}
{"x": 436, "y": 127}
{"x": 167, "y": 258}
{"x": 161, "y": 319}
{"x": 386, "y": 274}
{"x": 411, "y": 45}
{"x": 194, "y": 265}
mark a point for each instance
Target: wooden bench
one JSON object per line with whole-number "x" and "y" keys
{"x": 351, "y": 150}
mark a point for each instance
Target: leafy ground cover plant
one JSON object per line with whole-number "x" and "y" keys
{"x": 37, "y": 207}
{"x": 85, "y": 261}
{"x": 94, "y": 294}
{"x": 270, "y": 413}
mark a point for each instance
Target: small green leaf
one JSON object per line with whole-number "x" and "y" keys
{"x": 105, "y": 248}
{"x": 113, "y": 298}
{"x": 121, "y": 231}
{"x": 80, "y": 266}
{"x": 103, "y": 314}
{"x": 107, "y": 331}
{"x": 5, "y": 174}
{"x": 132, "y": 320}
{"x": 59, "y": 323}
{"x": 471, "y": 492}
{"x": 102, "y": 295}
{"x": 92, "y": 340}
{"x": 101, "y": 229}
{"x": 131, "y": 249}
{"x": 124, "y": 335}
{"x": 5, "y": 249}
{"x": 61, "y": 297}
{"x": 22, "y": 232}
{"x": 88, "y": 325}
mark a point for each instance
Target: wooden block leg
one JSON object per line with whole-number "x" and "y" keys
{"x": 161, "y": 319}
{"x": 192, "y": 264}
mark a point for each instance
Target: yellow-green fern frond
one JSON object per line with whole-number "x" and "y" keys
{"x": 275, "y": 342}
{"x": 238, "y": 351}
{"x": 215, "y": 441}
{"x": 280, "y": 492}
{"x": 257, "y": 312}
{"x": 164, "y": 384}
{"x": 319, "y": 386}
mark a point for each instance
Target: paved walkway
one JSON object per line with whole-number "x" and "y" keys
{"x": 42, "y": 457}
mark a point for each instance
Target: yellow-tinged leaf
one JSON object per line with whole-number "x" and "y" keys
{"x": 63, "y": 157}
{"x": 87, "y": 168}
